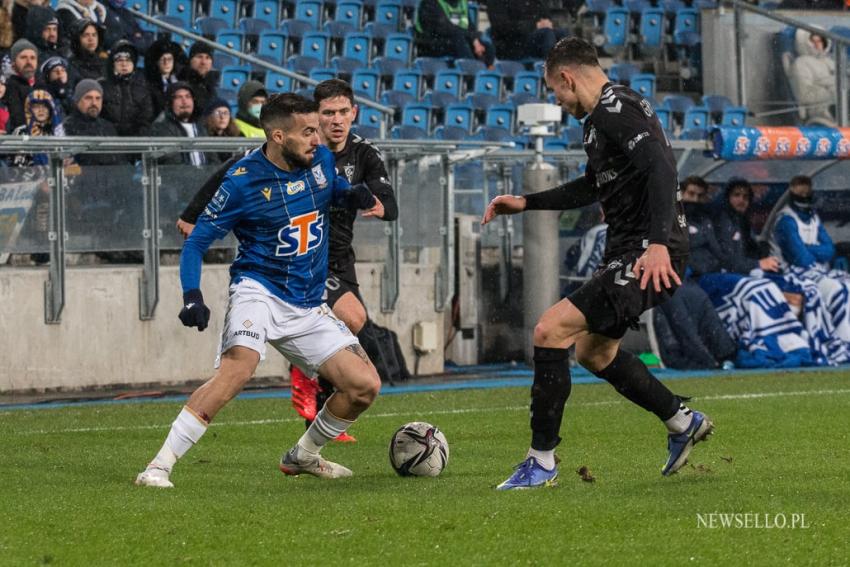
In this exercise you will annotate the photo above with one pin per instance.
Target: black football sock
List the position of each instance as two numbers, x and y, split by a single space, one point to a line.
630 376
549 393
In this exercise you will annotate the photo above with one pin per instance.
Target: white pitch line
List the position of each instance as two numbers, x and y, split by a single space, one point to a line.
720 397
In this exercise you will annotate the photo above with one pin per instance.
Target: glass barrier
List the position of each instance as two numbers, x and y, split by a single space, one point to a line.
24 210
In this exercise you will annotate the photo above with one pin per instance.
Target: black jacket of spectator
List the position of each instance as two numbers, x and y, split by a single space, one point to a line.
438 36
511 24
70 11
126 99
38 17
17 90
19 18
84 64
705 255
738 247
79 124
120 24
167 125
156 83
204 88
62 92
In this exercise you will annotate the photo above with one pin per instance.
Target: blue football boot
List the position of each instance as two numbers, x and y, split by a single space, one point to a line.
530 474
679 445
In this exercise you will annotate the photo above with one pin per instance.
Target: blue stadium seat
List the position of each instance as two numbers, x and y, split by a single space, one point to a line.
447 88
230 95
491 134
226 10
273 44
322 74
278 82
260 70
350 12
510 68
234 39
527 82
379 32
671 7
622 72
644 85
345 67
686 21
306 92
316 45
636 7
469 67
180 9
302 64
253 27
500 116
365 82
716 104
406 132
296 28
734 116
692 134
222 60
651 30
678 104
398 46
209 27
523 98
368 132
417 115
696 117
268 10
554 144
459 116
338 30
450 133
616 29
388 12
665 116
388 67
397 99
234 76
408 81
357 46
598 7
368 116
309 11
142 6
487 90
430 66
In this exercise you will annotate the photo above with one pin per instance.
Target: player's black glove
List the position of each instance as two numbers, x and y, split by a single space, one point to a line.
194 312
361 197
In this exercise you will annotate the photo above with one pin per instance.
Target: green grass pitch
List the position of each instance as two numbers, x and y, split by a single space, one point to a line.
780 449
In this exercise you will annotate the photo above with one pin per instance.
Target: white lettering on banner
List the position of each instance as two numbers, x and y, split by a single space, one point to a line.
16 200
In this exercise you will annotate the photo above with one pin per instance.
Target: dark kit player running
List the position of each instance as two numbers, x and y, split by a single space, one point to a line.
360 162
632 173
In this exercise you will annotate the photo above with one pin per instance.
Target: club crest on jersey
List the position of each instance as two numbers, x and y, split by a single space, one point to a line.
293 187
301 235
319 176
267 193
239 171
646 107
349 171
219 200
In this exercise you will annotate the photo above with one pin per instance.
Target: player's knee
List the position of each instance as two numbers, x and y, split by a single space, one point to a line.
544 334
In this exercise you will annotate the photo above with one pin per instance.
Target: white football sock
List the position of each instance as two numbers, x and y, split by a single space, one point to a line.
325 427
186 430
545 458
680 422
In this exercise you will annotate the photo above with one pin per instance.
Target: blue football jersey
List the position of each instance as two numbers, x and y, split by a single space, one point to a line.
281 221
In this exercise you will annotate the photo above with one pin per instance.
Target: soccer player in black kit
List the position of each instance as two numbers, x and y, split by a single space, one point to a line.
632 173
360 162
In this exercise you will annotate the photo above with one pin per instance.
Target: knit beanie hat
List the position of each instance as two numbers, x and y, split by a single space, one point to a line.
84 87
21 45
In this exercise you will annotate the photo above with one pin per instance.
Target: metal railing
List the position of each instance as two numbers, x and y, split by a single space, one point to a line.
840 45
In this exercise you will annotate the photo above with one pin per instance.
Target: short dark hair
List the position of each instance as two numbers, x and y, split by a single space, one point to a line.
571 51
333 88
736 182
801 180
694 180
280 108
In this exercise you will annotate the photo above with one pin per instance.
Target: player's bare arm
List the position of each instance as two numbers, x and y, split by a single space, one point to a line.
377 211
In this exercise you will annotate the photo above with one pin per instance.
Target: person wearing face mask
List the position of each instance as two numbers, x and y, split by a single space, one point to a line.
54 77
251 98
126 99
163 61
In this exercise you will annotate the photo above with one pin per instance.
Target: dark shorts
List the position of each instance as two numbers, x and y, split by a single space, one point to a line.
339 283
612 300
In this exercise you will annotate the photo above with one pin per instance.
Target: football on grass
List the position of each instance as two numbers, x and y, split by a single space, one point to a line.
419 449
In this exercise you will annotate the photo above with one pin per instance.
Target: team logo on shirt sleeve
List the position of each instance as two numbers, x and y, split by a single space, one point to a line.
319 176
301 235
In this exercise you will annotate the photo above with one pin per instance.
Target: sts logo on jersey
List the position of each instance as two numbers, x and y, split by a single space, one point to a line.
302 234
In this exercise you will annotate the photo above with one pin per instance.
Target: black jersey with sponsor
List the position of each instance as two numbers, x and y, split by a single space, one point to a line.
616 133
360 162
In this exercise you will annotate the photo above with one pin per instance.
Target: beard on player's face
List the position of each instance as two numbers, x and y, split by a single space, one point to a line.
294 158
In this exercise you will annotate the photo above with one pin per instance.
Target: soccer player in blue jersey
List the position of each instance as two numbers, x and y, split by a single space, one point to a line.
276 200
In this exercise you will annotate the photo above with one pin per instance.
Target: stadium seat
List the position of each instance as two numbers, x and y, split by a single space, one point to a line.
316 45
523 98
487 90
309 11
678 104
222 60
644 85
306 92
616 30
296 28
142 6
665 117
368 132
268 10
398 46
356 48
278 82
371 117
181 10
430 66
338 30
447 88
273 44
716 103
692 134
209 27
253 27
417 115
302 64
322 74
379 32
450 133
696 118
226 10
671 7
527 82
365 82
622 72
388 12
686 21
651 31
234 76
554 144
704 4
636 7
469 67
234 39
408 81
230 95
407 132
350 13
734 116
491 134
510 68
459 116
396 99
388 67
500 116
261 70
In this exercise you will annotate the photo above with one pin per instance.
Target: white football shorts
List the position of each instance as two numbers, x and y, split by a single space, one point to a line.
306 336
